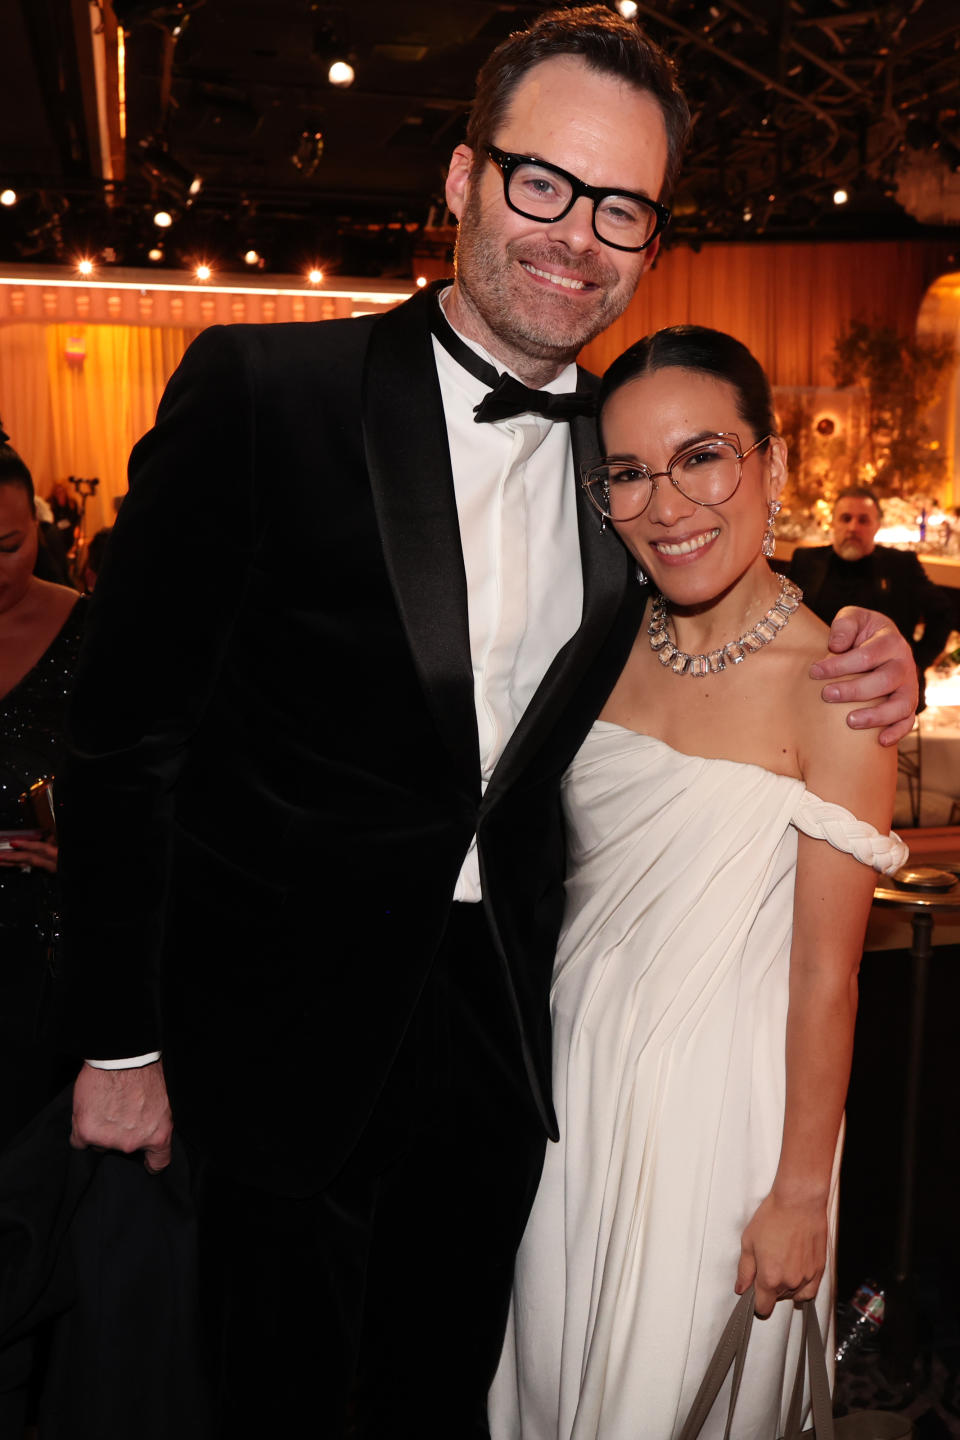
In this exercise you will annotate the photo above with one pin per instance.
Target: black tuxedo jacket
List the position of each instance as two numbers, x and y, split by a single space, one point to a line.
273 775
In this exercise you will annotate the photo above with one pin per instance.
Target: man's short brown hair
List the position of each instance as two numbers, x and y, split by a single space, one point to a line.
604 41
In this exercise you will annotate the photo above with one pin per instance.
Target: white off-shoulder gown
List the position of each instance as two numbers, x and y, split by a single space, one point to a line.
669 1011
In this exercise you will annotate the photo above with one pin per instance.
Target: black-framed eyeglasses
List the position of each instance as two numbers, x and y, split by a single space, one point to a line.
708 473
539 191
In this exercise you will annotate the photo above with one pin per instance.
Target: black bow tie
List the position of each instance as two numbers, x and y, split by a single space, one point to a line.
508 396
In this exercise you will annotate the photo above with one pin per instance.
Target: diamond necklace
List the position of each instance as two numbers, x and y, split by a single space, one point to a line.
712 663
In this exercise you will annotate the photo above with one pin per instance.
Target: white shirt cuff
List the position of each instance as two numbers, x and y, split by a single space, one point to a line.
136 1062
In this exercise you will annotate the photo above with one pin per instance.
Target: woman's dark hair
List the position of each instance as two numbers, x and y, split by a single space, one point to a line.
708 352
604 41
14 472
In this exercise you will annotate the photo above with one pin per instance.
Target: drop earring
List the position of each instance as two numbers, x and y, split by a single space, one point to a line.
642 576
769 542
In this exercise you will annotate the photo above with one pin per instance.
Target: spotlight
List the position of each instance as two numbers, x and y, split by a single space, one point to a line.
85 267
203 272
315 277
163 219
252 257
421 281
155 253
840 197
341 74
8 197
747 213
628 9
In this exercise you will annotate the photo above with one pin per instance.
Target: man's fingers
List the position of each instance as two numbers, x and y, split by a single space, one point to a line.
156 1158
893 734
857 684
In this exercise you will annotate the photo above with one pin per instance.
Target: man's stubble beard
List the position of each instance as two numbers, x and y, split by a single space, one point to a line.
852 550
485 272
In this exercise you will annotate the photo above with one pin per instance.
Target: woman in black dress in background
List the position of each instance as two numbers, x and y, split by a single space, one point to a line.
40 629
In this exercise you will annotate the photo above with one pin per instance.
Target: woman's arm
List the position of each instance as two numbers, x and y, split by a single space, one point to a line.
784 1245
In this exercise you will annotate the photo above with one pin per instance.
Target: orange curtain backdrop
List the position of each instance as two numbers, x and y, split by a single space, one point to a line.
26 405
72 418
786 302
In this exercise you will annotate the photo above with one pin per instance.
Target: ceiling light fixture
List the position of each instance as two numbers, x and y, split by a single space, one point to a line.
252 257
628 9
85 267
163 219
155 253
203 272
8 198
315 277
840 197
341 74
309 151
421 281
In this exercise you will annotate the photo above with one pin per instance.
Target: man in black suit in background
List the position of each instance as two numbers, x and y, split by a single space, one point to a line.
333 751
854 570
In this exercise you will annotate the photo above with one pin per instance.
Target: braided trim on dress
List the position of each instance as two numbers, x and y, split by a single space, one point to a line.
841 829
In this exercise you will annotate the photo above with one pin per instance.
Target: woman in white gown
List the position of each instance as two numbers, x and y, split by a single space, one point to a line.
724 829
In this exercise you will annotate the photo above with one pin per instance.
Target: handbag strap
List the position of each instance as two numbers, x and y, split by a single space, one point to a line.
732 1350
812 1358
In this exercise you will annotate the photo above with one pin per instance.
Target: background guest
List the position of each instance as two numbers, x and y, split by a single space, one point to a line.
40 629
855 570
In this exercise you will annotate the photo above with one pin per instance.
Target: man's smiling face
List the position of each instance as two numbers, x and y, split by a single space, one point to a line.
535 293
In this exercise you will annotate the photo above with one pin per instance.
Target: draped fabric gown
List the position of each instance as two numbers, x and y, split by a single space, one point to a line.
669 1009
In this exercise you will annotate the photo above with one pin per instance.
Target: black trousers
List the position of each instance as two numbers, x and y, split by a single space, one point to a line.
377 1307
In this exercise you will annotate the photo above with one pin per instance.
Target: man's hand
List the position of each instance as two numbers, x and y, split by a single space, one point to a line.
869 646
30 854
124 1110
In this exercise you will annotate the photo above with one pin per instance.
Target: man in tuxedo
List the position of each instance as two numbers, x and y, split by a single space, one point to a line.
333 751
854 570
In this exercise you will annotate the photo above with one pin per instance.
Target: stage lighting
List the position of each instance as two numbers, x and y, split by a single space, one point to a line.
8 198
341 74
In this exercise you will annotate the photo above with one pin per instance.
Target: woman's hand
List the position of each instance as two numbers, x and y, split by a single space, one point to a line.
783 1251
30 854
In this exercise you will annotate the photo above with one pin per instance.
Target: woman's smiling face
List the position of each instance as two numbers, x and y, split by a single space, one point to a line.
693 553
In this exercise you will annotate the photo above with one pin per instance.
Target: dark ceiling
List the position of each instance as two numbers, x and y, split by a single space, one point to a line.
791 98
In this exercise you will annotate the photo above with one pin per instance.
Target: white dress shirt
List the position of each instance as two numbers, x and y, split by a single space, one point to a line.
517 504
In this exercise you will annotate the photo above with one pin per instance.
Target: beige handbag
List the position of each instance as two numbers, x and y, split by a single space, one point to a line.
732 1350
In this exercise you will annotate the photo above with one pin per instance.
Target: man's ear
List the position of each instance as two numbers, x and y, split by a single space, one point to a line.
458 179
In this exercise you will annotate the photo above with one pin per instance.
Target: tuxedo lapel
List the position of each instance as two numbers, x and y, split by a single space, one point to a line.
606 577
411 479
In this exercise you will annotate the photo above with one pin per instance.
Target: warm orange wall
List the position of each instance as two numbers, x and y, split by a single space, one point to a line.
785 301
